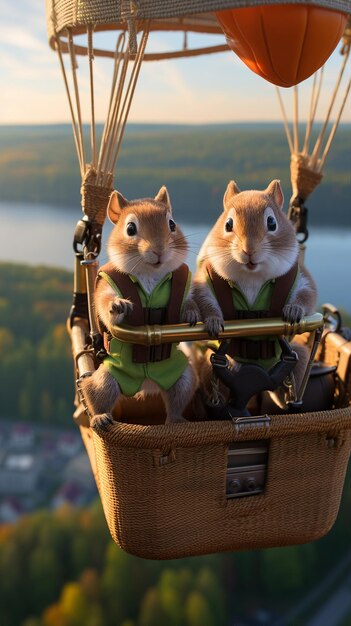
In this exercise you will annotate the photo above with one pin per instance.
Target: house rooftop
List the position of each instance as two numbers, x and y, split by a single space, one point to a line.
19 462
21 428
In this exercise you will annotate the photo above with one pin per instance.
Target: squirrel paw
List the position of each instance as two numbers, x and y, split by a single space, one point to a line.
191 314
292 313
119 308
101 422
214 324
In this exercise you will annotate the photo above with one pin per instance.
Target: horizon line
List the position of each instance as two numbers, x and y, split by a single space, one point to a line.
138 123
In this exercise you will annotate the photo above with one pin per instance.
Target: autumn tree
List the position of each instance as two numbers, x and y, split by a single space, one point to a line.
197 611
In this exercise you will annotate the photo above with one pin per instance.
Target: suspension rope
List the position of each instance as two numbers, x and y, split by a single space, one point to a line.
318 144
313 108
74 67
130 93
70 103
92 103
285 120
296 119
116 67
335 126
112 128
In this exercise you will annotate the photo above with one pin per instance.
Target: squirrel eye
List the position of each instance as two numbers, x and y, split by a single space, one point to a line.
229 225
131 229
271 223
172 226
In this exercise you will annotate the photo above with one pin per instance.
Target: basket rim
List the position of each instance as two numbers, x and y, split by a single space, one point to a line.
192 434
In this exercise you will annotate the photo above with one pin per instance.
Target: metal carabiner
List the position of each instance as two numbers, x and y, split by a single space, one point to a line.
298 215
81 233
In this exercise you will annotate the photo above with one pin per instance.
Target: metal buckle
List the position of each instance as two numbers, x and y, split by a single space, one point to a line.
241 423
288 354
219 360
290 358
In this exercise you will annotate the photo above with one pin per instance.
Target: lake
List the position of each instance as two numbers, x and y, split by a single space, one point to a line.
42 235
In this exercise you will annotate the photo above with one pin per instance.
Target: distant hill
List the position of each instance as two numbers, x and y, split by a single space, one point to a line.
39 164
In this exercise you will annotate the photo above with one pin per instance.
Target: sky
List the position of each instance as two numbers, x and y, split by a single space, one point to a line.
208 89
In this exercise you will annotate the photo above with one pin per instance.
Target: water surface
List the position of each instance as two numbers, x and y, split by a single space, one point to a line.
42 235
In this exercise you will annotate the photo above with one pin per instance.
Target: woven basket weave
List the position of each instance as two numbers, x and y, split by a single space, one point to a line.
163 486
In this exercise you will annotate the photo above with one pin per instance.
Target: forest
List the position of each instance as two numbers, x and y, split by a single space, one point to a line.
36 373
39 164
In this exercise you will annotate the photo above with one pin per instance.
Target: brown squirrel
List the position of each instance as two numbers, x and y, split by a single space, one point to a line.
145 282
248 267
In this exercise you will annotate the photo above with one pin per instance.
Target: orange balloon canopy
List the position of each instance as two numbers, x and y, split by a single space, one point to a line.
284 44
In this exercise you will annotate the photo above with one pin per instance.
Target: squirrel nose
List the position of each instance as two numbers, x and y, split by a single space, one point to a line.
157 254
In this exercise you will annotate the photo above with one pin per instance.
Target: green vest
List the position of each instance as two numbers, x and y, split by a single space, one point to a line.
130 376
262 303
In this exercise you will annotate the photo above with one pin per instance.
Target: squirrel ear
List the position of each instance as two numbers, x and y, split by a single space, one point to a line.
163 196
232 190
116 204
274 189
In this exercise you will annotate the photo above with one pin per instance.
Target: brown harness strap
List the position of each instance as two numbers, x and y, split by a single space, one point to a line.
179 281
282 288
129 291
223 293
252 349
249 348
144 315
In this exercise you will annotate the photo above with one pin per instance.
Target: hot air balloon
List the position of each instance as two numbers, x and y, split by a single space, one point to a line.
285 44
169 490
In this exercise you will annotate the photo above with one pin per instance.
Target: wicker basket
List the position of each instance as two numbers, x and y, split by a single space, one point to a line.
163 487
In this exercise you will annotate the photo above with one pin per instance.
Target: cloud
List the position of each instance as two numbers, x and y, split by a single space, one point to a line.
164 76
29 12
19 37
